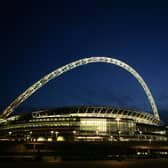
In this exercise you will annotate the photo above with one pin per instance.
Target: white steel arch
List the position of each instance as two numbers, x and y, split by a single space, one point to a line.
28 92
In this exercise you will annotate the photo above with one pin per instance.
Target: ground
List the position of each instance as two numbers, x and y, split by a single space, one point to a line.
142 163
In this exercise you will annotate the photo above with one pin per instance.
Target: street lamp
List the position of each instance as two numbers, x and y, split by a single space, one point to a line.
30 135
150 141
52 132
74 134
56 133
111 138
140 132
10 133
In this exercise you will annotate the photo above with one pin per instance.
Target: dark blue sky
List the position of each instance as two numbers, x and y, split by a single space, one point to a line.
37 37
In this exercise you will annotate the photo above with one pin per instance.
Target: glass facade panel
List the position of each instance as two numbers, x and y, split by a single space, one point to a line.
93 124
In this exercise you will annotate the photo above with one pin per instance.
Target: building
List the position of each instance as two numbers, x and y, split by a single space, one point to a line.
83 124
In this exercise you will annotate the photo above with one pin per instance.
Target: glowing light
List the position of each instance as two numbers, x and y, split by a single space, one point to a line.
97 125
60 138
90 138
56 133
138 153
41 139
49 139
118 119
10 132
52 132
74 132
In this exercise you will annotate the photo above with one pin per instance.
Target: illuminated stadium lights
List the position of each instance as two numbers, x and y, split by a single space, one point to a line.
10 133
74 132
56 133
60 139
68 125
52 132
49 139
90 137
118 119
140 117
41 139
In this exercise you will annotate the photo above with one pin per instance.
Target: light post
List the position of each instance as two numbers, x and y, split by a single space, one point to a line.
111 138
150 141
52 132
140 132
10 133
56 134
74 134
51 135
30 135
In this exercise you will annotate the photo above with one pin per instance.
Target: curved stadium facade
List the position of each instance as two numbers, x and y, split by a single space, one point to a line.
83 124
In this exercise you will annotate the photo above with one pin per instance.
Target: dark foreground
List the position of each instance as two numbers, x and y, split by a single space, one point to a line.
142 163
84 155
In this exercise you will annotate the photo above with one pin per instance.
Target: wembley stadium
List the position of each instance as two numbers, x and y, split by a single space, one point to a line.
83 124
86 124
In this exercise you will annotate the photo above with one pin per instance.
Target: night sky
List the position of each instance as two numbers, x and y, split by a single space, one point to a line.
37 37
